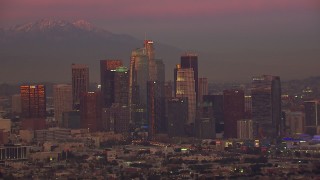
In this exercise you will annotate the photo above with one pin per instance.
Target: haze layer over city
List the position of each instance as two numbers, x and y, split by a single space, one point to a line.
183 89
234 40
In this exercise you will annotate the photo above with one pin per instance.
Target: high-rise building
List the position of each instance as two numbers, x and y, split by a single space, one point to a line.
312 120
80 83
116 118
71 120
177 116
205 125
121 86
216 102
185 88
108 83
62 101
266 106
202 89
139 75
248 106
190 60
245 129
33 101
149 51
16 103
155 108
233 110
33 106
91 111
295 122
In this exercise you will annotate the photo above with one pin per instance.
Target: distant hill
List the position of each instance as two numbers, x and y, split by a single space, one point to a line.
44 50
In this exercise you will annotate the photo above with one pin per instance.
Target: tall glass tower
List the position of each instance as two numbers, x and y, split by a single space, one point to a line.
266 106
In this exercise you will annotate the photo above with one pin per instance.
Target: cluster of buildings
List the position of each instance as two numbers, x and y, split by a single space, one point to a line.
139 99
136 105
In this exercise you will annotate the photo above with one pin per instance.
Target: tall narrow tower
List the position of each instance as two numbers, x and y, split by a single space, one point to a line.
107 74
185 88
80 83
62 101
190 60
266 106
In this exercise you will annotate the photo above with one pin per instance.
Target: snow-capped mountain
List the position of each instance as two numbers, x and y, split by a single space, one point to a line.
48 47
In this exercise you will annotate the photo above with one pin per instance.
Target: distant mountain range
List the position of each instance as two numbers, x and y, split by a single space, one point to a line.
44 50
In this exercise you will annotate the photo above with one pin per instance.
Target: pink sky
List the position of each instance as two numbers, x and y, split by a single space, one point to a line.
18 10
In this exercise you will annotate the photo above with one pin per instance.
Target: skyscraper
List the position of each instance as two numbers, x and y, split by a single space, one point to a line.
155 108
33 101
80 83
216 102
16 103
139 75
33 106
202 89
149 51
121 86
266 106
107 75
233 110
91 111
62 101
190 60
177 116
312 120
185 88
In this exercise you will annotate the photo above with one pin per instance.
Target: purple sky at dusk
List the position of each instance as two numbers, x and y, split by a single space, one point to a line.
174 22
248 29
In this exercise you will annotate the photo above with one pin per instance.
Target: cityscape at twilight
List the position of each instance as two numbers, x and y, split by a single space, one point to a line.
215 90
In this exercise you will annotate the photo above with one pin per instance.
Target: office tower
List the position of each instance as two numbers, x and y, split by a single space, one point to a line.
155 108
233 110
245 129
116 118
90 111
139 75
121 86
202 89
80 83
248 107
266 106
295 121
71 120
190 60
185 88
312 120
160 71
205 125
33 107
216 102
168 89
33 101
177 116
107 75
62 100
149 51
16 103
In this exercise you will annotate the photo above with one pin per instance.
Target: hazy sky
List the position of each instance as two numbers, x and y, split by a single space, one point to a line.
202 25
240 30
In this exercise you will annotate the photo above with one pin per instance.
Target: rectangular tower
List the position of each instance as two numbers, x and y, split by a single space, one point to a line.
233 110
62 101
266 106
80 83
91 111
107 75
